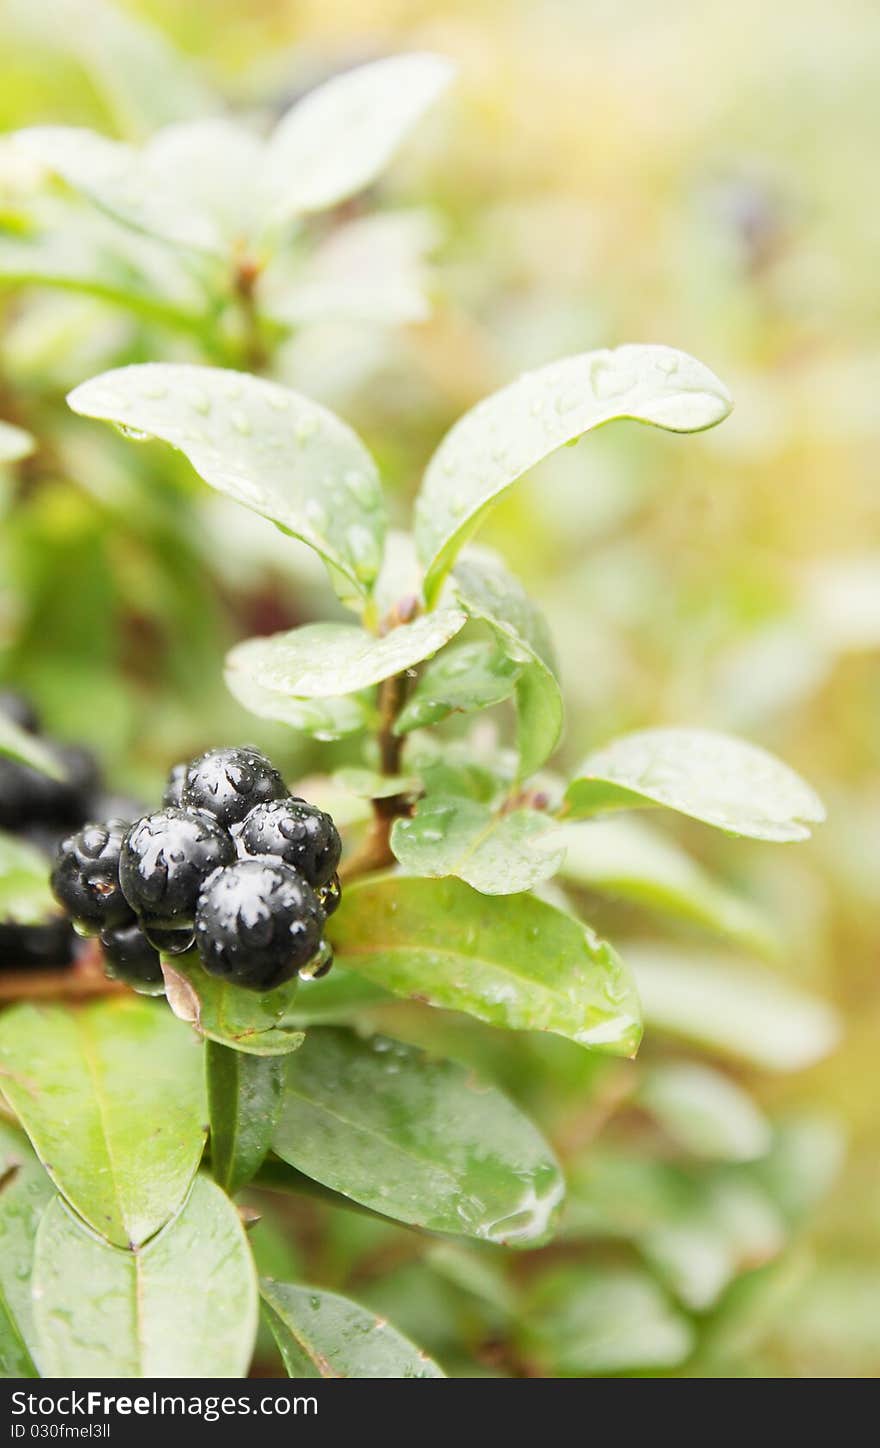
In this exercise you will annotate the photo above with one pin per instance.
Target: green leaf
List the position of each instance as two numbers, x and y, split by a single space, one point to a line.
244 1098
488 592
264 446
367 784
514 962
325 659
705 1112
121 181
215 164
370 270
496 853
509 432
731 1007
324 719
112 1099
416 1139
712 777
334 999
463 679
338 139
183 1306
25 896
15 743
626 858
598 1321
322 1335
242 1019
15 443
25 1191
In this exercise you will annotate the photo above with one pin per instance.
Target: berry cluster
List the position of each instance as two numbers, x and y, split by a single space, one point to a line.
42 810
232 863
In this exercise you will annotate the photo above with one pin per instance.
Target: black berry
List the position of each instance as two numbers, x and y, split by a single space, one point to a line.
20 710
228 783
165 859
170 942
130 957
257 922
85 879
330 896
300 834
174 786
32 947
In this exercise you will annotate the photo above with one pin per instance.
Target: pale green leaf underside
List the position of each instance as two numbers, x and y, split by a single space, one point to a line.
417 1139
326 659
712 777
732 1008
514 962
498 854
89 1087
367 784
324 719
465 678
25 1193
339 138
15 743
183 1306
264 446
486 591
509 432
707 1113
625 857
242 1019
15 443
122 181
322 1335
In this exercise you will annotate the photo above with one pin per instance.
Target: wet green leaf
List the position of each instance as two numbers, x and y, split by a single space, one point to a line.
334 999
183 1306
731 1007
244 1098
15 443
514 962
25 897
25 1191
508 433
339 138
261 444
242 1019
627 858
712 777
324 719
325 659
705 1112
15 743
464 678
323 1335
417 1139
112 1098
496 853
598 1321
488 592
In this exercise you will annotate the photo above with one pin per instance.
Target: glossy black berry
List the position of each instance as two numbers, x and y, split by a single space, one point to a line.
85 879
51 944
258 921
170 942
300 834
29 797
165 859
228 783
330 896
130 957
174 786
20 710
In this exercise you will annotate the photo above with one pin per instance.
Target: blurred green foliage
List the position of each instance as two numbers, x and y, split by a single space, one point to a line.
685 174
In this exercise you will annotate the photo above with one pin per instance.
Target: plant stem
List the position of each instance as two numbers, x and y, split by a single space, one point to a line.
375 851
256 354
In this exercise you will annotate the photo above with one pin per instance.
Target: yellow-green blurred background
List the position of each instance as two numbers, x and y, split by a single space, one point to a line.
697 174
